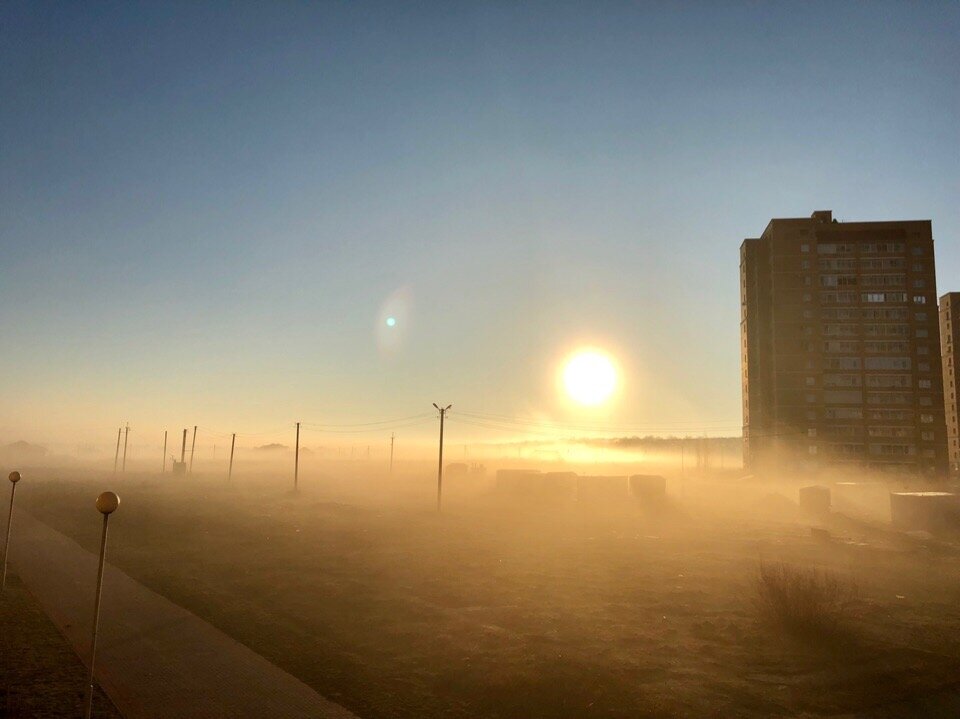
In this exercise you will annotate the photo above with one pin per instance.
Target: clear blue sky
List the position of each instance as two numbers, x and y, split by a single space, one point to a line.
205 207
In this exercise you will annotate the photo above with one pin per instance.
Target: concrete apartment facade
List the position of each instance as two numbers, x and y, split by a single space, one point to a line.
839 347
949 340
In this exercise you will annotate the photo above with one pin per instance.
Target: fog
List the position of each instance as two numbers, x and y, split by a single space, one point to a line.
638 583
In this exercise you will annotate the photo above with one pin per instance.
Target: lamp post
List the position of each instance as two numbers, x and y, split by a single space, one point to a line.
14 477
107 503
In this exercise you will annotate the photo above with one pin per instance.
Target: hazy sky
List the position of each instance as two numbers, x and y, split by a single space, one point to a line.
205 209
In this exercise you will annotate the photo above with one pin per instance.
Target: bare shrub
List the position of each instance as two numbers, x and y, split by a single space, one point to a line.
804 601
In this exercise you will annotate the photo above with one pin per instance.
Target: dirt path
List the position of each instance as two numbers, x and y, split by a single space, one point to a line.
154 658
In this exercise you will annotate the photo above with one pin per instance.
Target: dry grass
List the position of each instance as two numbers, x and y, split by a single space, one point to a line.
491 612
804 601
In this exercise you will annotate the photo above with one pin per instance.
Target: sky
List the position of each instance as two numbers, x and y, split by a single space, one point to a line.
208 210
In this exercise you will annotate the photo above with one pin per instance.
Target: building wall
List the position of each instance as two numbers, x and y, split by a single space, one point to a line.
839 347
949 340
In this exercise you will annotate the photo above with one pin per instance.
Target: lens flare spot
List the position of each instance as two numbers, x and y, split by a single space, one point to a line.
391 321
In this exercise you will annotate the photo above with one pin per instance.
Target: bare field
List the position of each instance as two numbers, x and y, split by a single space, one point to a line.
40 675
490 610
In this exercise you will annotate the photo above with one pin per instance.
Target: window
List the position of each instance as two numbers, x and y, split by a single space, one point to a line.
919 300
841 380
898 432
844 263
890 415
812 449
926 435
926 401
883 280
921 332
812 432
841 346
841 330
888 381
920 317
886 363
843 413
917 250
919 282
884 313
811 398
848 363
875 346
838 313
924 384
887 398
883 297
898 450
923 350
843 397
811 381
804 248
926 418
804 264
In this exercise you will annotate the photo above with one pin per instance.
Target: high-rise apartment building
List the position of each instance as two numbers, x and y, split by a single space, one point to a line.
840 347
949 340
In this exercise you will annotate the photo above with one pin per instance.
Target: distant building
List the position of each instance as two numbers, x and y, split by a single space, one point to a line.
839 338
949 339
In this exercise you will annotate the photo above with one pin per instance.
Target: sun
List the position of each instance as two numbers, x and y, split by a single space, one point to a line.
589 377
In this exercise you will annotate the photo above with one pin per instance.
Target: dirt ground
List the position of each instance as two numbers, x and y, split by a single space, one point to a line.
40 675
494 610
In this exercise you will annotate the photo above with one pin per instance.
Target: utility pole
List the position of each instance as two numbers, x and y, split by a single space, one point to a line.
183 446
193 445
164 468
116 456
126 432
296 461
391 452
443 414
233 441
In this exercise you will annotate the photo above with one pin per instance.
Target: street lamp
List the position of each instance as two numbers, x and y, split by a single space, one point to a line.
14 477
107 503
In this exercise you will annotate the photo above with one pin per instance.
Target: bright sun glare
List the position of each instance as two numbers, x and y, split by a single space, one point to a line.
589 377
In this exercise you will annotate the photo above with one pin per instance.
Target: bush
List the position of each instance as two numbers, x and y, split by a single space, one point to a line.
803 601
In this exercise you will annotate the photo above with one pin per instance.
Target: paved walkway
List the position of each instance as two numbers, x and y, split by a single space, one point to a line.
154 658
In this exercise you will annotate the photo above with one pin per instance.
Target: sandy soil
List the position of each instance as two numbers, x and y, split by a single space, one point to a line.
488 610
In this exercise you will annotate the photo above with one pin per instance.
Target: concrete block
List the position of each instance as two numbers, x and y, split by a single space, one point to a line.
924 510
599 488
648 486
